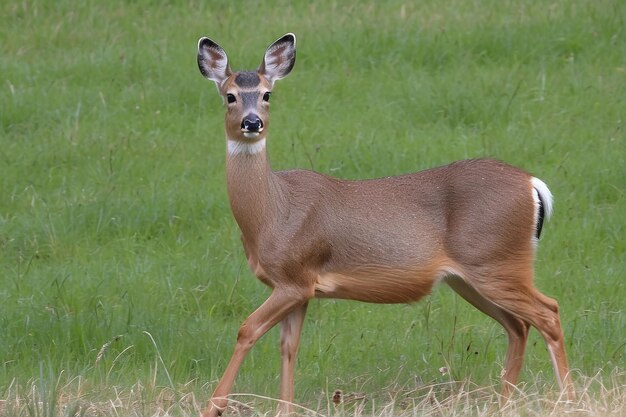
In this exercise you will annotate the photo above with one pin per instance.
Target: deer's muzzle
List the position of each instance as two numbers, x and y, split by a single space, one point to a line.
252 124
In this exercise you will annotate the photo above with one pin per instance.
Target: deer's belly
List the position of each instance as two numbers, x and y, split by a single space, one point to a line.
382 284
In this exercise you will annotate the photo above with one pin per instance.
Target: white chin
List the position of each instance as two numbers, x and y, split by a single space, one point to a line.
251 135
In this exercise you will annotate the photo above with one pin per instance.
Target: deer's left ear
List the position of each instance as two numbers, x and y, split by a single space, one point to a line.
279 58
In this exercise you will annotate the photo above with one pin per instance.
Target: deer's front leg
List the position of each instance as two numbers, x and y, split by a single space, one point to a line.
290 330
274 309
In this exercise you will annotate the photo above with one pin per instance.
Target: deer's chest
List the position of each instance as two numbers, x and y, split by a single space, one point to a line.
254 263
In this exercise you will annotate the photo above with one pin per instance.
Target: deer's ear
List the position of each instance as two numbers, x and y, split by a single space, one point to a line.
279 58
212 61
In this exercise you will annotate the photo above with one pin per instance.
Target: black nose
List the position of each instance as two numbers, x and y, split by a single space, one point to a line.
252 123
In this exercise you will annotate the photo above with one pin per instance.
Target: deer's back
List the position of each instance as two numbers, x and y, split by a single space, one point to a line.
458 210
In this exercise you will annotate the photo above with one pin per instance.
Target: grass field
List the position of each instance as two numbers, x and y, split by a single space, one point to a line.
123 277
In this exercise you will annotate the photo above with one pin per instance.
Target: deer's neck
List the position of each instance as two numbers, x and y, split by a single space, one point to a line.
254 190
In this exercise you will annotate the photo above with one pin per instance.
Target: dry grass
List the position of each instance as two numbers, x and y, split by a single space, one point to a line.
450 399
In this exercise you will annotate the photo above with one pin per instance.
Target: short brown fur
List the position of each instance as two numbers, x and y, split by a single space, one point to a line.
470 224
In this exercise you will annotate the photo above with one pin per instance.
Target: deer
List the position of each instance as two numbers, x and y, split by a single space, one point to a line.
473 225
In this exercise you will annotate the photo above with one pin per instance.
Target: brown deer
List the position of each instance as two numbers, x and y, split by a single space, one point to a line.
472 224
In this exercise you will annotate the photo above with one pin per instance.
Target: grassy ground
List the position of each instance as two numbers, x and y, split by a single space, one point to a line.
123 276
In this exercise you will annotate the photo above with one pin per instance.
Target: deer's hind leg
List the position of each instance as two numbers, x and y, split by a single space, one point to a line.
513 292
517 330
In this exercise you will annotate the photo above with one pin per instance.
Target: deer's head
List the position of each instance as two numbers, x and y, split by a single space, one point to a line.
247 94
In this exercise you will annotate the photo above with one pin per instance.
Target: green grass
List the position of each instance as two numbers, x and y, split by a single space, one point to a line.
115 229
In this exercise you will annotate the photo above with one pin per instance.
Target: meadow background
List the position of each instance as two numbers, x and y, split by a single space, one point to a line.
123 278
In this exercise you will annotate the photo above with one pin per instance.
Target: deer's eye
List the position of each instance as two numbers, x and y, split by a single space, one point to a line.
230 98
266 96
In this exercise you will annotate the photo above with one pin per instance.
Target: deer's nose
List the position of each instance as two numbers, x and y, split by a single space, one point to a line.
252 123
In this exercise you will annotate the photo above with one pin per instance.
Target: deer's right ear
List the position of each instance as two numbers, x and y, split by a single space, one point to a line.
212 61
